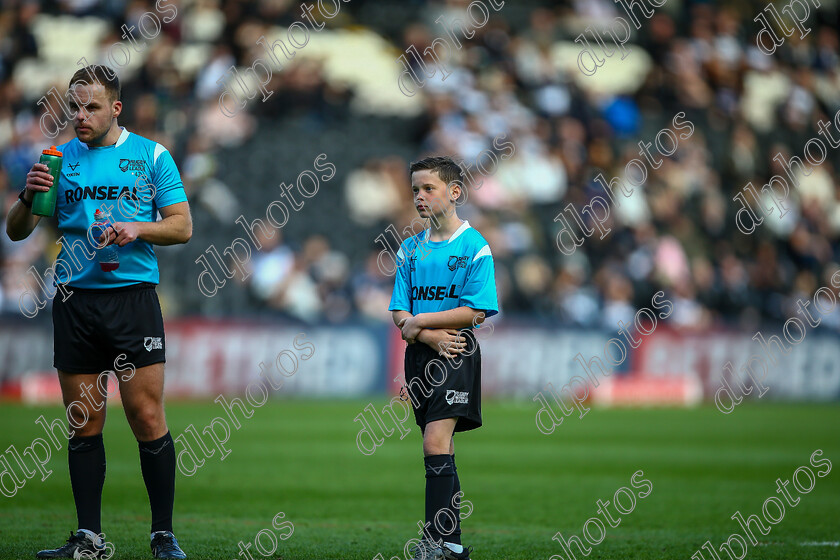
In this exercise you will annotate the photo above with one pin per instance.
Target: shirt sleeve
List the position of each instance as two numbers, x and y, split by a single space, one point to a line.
480 287
401 298
167 180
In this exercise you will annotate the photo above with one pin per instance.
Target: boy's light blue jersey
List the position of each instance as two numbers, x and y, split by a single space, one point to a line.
131 179
441 275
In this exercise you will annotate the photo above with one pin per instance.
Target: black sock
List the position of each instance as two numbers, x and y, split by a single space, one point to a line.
439 480
157 461
86 459
455 537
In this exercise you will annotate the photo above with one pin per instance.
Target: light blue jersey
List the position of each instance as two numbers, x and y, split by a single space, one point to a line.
441 275
131 179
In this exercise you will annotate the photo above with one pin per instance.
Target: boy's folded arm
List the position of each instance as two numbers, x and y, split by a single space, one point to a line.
458 318
399 315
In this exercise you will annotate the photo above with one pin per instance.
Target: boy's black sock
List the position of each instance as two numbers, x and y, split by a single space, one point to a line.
157 461
86 459
440 476
455 537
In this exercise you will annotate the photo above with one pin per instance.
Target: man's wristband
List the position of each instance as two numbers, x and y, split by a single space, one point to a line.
23 199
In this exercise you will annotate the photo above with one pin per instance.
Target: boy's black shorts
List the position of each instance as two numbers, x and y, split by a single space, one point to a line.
93 327
458 380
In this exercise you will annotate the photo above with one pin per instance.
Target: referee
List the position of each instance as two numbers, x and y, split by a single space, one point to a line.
111 315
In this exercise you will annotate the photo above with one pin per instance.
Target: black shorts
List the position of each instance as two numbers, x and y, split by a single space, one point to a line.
441 388
93 327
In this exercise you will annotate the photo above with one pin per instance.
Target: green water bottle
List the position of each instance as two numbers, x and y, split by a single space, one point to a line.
43 203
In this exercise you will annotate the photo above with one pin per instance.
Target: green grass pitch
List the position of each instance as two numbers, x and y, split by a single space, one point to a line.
300 458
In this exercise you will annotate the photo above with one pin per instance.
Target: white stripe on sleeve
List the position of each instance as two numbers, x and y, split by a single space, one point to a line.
484 252
159 149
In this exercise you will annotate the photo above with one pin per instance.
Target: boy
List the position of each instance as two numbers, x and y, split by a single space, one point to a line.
444 287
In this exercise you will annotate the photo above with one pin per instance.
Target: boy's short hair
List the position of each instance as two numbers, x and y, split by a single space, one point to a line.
446 168
99 74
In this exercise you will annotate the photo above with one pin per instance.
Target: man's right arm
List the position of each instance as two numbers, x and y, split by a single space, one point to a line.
21 221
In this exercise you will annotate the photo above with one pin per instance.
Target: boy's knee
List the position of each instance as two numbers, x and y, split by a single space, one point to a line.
434 448
436 444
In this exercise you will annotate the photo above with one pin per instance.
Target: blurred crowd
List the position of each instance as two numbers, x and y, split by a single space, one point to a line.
517 77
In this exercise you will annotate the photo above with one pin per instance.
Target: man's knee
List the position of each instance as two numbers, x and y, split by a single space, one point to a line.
145 419
84 420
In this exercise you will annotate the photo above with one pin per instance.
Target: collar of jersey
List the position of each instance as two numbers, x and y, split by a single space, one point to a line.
123 137
454 236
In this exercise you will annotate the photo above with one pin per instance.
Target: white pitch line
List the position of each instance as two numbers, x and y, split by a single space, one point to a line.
824 543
